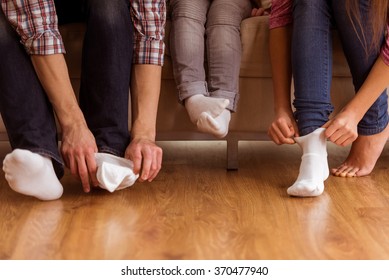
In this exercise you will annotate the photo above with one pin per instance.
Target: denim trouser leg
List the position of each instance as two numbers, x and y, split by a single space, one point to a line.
106 70
25 108
312 63
187 46
224 48
376 118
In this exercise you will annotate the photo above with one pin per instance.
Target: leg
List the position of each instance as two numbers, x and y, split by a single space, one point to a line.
224 48
224 55
373 129
187 48
105 82
311 61
29 119
314 166
106 68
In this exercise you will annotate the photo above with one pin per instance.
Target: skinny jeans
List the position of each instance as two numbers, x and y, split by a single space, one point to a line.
313 24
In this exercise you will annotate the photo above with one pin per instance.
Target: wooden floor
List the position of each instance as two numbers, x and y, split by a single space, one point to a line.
195 209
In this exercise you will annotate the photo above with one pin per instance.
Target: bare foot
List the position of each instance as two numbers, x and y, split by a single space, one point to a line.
363 156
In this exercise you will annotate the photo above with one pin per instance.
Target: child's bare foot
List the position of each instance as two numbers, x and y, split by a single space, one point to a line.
363 156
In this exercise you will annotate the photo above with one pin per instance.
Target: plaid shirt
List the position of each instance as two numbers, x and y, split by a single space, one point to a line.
281 15
36 23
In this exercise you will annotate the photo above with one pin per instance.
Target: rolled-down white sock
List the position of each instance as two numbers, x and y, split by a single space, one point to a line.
216 126
32 174
197 104
114 173
314 166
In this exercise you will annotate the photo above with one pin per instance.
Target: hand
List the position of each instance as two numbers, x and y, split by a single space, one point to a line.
146 156
342 129
259 12
283 128
78 149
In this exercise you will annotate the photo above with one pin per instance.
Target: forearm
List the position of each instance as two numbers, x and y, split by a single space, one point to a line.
53 74
376 82
280 57
145 90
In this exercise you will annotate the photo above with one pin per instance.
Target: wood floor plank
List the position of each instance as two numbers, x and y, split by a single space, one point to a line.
195 209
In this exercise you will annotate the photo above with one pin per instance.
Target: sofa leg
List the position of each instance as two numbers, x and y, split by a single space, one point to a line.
232 154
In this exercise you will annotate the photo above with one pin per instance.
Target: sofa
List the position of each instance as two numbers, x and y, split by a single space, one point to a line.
255 108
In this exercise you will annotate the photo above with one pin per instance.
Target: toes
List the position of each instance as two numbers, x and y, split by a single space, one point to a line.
339 170
352 172
345 171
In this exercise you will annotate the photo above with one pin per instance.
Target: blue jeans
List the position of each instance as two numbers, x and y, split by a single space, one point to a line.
211 27
313 21
105 80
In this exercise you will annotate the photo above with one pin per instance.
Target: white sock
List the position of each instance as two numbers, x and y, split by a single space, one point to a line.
32 174
216 126
197 104
314 166
114 173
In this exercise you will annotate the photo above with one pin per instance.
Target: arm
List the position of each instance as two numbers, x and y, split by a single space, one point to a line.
149 18
283 128
145 89
78 144
342 129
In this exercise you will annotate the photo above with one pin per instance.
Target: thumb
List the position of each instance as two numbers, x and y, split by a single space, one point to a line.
294 129
326 125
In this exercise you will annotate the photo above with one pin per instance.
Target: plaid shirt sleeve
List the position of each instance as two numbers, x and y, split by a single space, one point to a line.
149 18
36 23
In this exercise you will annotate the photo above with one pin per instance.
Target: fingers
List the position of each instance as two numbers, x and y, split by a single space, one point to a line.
282 133
146 165
151 164
340 134
257 12
92 168
83 174
157 164
341 139
136 156
147 160
82 166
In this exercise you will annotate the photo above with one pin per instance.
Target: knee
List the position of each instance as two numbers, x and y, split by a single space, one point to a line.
190 10
228 13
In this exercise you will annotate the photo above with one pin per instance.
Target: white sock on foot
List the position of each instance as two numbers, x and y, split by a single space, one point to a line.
114 173
197 104
216 126
314 166
32 174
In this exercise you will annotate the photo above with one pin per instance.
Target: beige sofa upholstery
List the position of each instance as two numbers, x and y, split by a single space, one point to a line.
255 108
